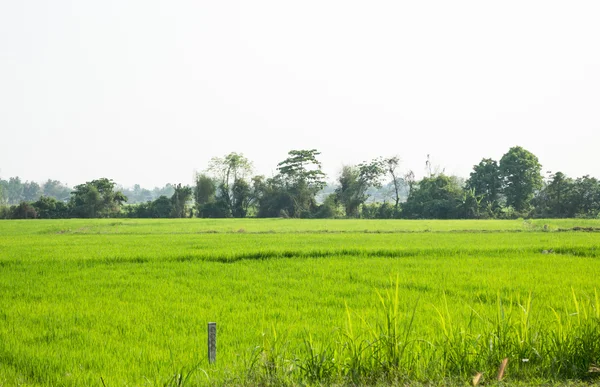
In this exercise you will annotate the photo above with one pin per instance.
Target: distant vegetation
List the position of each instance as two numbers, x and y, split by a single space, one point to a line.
510 188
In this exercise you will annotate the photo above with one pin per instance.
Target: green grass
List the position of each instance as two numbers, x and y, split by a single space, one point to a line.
191 226
126 302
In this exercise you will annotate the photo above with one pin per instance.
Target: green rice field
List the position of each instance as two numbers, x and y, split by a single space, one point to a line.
126 302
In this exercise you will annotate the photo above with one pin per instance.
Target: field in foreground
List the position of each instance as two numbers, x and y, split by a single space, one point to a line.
126 302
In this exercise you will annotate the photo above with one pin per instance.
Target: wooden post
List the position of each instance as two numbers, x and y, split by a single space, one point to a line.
212 342
502 369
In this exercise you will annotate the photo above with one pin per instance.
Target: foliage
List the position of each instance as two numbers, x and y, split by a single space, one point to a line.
204 192
303 166
161 207
330 208
354 182
57 190
554 199
23 211
301 176
563 197
229 170
243 197
216 209
520 171
379 211
436 197
586 195
96 199
5 212
31 191
139 194
47 207
179 201
471 206
12 190
376 189
391 166
486 183
348 190
273 199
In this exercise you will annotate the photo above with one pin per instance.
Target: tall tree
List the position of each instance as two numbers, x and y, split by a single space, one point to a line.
273 197
303 165
31 191
56 189
204 191
97 199
436 197
243 198
14 190
409 178
167 191
486 183
228 170
161 207
520 171
558 192
391 165
354 181
138 194
181 196
303 178
586 196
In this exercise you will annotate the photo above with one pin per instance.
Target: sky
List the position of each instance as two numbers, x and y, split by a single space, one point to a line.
149 91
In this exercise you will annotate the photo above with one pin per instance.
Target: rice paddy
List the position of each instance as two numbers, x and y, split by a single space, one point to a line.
126 302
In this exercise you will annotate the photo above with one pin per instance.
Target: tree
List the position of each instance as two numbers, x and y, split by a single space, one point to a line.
56 189
161 207
31 191
243 197
138 194
586 196
204 192
97 199
167 191
47 207
273 198
486 183
391 165
409 178
520 172
435 197
302 177
14 190
330 208
558 192
181 196
432 170
228 170
349 191
23 211
303 166
471 205
355 181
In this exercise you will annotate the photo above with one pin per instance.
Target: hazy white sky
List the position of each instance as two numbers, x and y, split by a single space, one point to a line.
147 91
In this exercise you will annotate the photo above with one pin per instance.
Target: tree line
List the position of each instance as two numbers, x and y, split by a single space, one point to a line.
509 188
